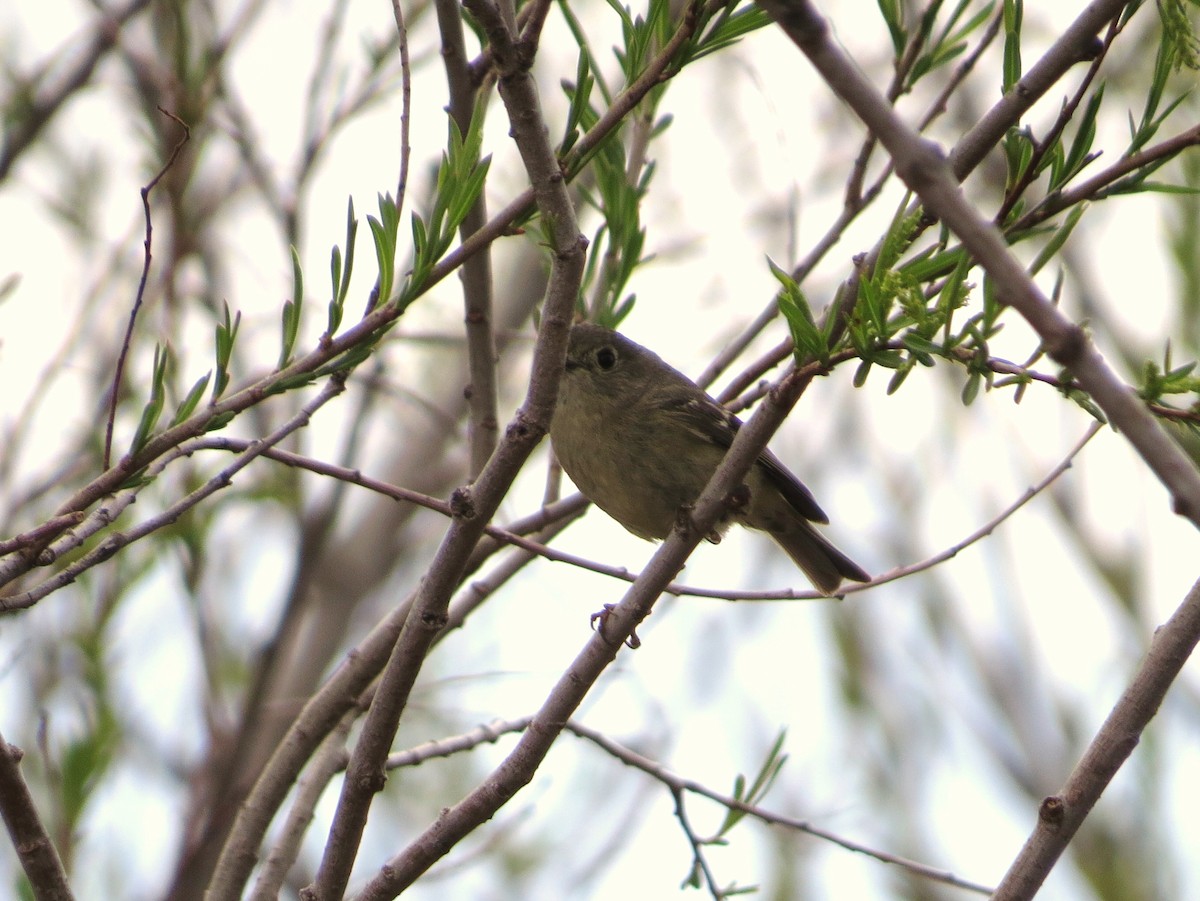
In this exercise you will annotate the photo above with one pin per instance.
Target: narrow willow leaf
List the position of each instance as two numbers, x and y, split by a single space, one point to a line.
226 334
807 339
1058 239
291 312
383 233
893 18
188 407
336 301
921 346
898 379
861 373
154 406
1014 11
971 388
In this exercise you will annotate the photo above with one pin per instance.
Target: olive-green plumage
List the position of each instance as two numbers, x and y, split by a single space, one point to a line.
641 440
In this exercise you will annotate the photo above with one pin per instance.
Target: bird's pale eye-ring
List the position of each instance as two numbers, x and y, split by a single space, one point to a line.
606 357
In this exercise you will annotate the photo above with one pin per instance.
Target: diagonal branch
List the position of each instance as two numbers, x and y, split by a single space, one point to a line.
619 623
1060 815
924 169
32 843
474 506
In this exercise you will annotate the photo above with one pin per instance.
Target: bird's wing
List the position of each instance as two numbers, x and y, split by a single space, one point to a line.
707 419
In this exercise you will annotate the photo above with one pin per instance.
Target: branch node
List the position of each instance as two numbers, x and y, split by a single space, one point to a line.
462 505
1052 811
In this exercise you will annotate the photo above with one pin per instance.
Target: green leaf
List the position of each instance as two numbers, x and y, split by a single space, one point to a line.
808 341
336 306
1014 12
188 407
768 771
1163 188
888 359
339 273
226 334
383 233
933 263
893 18
921 346
291 312
971 388
580 114
898 378
951 42
1018 153
154 407
728 29
1087 404
1182 47
861 373
84 762
1080 153
219 421
1058 239
349 360
579 35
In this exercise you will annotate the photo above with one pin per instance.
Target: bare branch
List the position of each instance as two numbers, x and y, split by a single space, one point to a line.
329 760
115 391
32 843
474 506
1060 816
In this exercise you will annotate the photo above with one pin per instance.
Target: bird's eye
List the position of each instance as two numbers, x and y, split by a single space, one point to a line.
606 357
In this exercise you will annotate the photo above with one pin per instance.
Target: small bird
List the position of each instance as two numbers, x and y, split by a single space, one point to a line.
641 440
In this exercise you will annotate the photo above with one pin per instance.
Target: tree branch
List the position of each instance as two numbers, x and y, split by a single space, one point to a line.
1060 816
474 506
32 843
921 166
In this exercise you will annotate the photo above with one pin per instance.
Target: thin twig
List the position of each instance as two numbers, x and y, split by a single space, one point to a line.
483 390
539 548
699 861
405 104
929 563
118 540
35 535
115 397
490 733
1095 187
678 785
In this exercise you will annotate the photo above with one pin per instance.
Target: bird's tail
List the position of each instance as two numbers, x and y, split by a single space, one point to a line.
825 566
